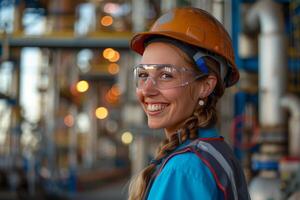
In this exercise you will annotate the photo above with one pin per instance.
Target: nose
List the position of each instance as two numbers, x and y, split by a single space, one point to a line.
149 88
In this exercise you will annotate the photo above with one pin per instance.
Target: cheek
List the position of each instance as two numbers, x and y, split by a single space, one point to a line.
139 94
180 97
187 99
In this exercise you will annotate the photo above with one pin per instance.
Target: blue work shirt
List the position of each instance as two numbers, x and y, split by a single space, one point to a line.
186 177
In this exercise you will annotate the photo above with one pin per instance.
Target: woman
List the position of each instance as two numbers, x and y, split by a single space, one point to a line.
187 62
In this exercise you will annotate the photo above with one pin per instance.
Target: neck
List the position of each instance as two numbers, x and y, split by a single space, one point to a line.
178 134
170 132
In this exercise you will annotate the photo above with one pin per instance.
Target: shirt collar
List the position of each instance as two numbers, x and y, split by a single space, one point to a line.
202 133
208 133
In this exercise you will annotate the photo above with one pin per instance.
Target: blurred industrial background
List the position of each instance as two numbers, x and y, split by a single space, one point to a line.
71 127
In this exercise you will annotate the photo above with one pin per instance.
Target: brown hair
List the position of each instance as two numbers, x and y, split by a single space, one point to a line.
203 117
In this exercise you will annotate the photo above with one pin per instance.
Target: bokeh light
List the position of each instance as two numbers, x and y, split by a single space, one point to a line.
115 90
82 86
113 68
110 98
108 53
107 20
127 137
69 120
113 95
101 113
115 58
111 8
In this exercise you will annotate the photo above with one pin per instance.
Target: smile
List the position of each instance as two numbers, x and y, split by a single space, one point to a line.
155 107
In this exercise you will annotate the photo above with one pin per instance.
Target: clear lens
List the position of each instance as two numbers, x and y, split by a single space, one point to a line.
163 76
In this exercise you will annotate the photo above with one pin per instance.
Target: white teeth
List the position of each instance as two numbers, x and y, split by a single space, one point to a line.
155 107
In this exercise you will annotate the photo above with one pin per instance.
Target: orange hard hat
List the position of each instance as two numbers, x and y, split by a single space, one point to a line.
195 27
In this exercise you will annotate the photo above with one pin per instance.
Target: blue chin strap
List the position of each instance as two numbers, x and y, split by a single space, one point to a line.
198 58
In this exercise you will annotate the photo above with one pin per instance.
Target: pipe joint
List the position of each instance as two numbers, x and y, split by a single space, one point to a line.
266 15
292 103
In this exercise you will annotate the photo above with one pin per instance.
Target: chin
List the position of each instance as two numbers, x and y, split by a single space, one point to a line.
154 125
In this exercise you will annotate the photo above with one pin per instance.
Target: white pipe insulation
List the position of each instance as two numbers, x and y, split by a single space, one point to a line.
267 16
292 104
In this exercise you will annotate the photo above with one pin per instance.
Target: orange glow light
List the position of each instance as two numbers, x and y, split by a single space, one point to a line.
116 57
108 53
110 98
113 68
69 120
115 90
107 20
82 86
101 113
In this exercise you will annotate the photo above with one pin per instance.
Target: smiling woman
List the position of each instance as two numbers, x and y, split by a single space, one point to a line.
168 108
187 62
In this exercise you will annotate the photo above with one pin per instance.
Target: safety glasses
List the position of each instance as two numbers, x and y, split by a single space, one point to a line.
164 76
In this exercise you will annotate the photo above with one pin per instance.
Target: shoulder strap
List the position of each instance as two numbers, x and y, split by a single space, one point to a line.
218 165
220 159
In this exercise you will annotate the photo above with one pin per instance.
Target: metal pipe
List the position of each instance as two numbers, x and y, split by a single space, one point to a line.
167 5
62 41
272 60
139 8
218 10
266 15
203 4
292 104
272 79
140 146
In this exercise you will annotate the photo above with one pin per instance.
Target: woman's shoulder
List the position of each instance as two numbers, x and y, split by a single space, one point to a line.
187 177
188 174
186 163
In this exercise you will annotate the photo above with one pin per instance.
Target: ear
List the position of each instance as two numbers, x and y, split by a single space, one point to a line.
207 86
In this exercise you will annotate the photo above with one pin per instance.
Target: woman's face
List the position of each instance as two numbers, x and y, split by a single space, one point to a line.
167 108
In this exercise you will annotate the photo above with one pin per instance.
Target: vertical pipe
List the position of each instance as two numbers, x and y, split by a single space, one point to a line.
203 4
62 14
138 154
139 8
18 16
73 148
272 78
90 151
268 15
16 120
218 10
167 5
50 117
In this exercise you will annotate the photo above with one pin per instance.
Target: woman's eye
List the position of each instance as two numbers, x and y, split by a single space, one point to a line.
166 76
142 75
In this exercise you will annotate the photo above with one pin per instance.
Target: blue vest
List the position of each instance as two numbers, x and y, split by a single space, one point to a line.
217 155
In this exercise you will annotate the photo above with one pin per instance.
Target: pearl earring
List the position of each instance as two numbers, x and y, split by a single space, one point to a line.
201 102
